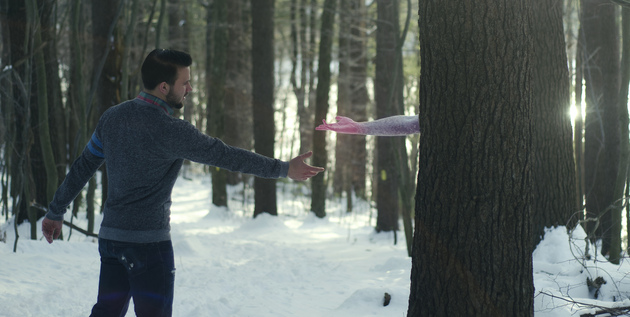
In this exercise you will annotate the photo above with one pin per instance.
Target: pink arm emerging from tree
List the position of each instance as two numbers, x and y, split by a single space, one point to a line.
389 126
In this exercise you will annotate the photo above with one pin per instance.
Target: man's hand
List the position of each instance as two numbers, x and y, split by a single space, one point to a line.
51 229
343 125
300 171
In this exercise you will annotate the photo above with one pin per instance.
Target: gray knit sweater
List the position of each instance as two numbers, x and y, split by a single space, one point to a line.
144 148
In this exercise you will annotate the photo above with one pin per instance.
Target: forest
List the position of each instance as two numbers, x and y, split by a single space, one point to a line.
522 108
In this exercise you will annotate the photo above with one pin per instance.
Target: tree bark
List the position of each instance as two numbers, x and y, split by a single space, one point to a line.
358 93
106 60
343 151
57 111
216 96
43 126
237 101
263 99
301 55
624 144
22 183
553 169
472 253
601 136
388 95
320 154
578 129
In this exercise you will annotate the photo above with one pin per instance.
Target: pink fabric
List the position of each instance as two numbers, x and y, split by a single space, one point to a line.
389 126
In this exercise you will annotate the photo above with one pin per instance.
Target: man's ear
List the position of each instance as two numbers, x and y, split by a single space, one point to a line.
164 87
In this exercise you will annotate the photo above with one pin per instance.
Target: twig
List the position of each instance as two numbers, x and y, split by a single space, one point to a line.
613 311
85 232
67 223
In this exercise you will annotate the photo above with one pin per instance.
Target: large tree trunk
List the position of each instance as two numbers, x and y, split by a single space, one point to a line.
320 155
601 136
553 169
472 253
263 99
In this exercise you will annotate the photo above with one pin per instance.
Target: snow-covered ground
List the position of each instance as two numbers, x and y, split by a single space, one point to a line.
229 264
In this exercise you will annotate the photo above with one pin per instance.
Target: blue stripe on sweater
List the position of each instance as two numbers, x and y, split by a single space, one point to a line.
95 146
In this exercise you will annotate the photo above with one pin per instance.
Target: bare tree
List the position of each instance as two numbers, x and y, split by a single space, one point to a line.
216 95
237 101
320 154
263 98
388 95
302 55
601 134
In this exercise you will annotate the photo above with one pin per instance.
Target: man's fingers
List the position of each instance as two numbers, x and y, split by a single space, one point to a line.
306 155
51 229
48 235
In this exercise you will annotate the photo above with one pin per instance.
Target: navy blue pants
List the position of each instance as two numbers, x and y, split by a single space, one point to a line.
144 272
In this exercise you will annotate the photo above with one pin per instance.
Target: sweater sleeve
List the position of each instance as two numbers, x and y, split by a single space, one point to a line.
80 173
198 147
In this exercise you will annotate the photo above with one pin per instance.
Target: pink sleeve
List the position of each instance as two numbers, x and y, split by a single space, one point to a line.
389 126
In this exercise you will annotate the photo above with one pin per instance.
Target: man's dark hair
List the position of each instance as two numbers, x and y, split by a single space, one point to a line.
161 66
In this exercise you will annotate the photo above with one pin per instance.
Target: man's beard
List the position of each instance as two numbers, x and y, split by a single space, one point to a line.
172 101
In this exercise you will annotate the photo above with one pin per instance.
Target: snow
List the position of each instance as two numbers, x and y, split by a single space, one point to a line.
295 264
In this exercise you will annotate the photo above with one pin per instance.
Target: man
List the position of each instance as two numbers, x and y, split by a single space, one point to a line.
144 147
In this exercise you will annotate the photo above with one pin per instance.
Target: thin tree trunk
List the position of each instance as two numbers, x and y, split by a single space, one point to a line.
42 109
263 99
106 76
601 145
320 154
237 103
6 109
160 23
126 50
391 153
359 94
22 189
76 95
217 93
301 56
57 111
578 129
624 145
343 154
